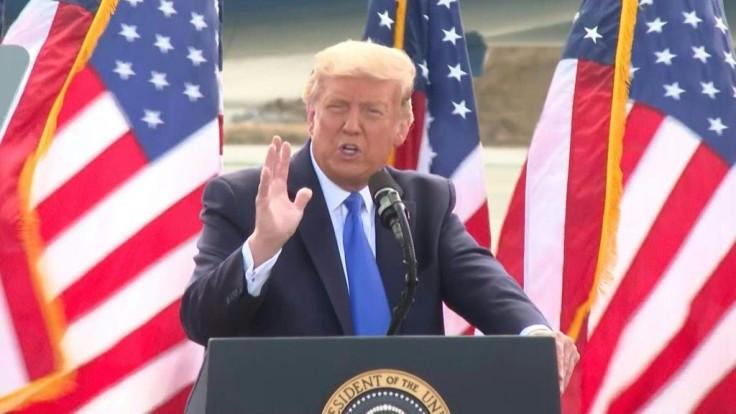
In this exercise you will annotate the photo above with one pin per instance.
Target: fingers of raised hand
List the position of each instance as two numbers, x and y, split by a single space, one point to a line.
277 158
265 184
284 156
272 154
302 198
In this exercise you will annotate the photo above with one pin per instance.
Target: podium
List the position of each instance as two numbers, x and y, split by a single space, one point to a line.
485 374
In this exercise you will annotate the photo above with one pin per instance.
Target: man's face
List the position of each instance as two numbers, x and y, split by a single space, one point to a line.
354 124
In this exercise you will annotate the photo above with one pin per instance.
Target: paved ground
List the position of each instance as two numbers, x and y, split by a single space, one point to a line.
502 167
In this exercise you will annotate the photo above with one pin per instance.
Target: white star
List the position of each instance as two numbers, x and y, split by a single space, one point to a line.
451 35
456 72
716 125
385 20
592 34
134 2
576 17
195 55
152 118
425 70
709 89
656 25
646 2
701 54
728 57
460 109
198 21
163 43
673 91
158 80
192 91
665 57
721 25
129 32
167 8
124 69
426 17
632 70
445 3
692 19
734 91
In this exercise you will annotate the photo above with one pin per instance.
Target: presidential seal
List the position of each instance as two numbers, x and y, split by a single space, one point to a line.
385 391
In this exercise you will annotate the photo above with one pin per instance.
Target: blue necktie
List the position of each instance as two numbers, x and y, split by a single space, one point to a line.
368 303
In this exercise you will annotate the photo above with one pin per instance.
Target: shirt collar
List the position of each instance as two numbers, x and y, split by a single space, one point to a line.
334 195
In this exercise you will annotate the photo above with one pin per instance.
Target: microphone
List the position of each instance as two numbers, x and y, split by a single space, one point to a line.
393 215
389 206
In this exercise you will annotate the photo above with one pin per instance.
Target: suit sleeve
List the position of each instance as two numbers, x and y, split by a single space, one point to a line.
216 302
475 284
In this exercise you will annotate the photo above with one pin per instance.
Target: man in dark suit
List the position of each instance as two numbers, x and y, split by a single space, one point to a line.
270 266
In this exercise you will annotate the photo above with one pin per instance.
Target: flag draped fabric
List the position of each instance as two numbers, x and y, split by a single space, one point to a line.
99 212
444 138
660 334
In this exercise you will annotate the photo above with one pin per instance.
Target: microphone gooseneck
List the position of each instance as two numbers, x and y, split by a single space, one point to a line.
392 214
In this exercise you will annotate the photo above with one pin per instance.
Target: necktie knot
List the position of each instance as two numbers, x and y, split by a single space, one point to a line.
354 202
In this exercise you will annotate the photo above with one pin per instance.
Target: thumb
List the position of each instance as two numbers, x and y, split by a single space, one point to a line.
302 198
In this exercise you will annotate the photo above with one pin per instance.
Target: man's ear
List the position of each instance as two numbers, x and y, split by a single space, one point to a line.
310 118
402 132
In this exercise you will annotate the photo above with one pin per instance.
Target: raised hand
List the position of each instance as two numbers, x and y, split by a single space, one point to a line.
277 217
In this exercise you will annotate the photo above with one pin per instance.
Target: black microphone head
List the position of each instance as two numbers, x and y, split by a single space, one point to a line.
385 195
381 181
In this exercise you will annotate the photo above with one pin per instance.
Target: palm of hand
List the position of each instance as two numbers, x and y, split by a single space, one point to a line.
276 213
277 217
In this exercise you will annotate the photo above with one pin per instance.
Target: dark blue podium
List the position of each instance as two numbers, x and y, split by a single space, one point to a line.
490 374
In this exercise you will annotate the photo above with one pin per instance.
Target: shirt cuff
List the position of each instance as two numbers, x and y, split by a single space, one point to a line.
533 328
256 278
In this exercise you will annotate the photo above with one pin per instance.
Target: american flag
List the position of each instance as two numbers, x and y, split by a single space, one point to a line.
98 243
444 139
661 334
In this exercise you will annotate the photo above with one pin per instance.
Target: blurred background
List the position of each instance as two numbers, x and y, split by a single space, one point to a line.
269 44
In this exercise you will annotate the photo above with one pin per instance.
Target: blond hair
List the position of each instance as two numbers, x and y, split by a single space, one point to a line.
363 59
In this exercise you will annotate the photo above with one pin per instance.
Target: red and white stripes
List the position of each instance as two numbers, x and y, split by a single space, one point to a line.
118 237
139 225
545 199
471 203
660 336
672 284
42 29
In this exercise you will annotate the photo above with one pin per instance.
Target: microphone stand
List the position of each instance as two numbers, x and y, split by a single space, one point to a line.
410 264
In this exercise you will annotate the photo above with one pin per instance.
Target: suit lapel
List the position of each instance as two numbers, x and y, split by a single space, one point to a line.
318 236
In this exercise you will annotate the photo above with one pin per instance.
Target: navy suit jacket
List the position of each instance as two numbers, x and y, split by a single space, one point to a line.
306 293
